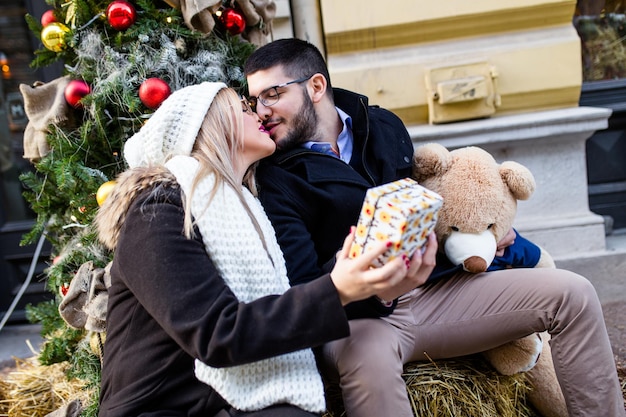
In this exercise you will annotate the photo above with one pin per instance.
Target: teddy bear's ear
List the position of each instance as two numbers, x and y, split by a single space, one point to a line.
518 178
431 159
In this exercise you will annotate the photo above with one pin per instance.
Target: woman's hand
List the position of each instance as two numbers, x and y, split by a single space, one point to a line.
421 266
355 279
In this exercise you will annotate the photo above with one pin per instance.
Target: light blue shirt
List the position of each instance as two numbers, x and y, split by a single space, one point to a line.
344 140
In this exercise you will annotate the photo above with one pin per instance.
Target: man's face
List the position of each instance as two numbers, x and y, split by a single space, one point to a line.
291 120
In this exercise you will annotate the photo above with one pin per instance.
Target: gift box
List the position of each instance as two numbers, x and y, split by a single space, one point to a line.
401 212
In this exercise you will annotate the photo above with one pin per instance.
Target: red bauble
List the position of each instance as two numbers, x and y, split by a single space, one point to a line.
233 21
63 289
75 91
48 17
153 92
121 14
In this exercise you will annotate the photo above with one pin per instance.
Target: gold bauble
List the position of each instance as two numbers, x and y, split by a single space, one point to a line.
104 191
53 36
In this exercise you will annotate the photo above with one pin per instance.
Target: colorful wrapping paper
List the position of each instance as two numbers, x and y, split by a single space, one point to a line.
401 212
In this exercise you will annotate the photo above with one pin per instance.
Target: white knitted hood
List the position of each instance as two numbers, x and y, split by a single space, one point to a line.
173 128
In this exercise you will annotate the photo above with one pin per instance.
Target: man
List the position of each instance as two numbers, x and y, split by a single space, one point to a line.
332 146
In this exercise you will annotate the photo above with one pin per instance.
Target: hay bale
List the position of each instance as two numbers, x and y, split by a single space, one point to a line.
466 387
447 388
34 390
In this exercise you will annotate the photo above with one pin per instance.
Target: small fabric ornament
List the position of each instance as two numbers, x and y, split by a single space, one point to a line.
259 16
85 304
71 409
198 15
44 105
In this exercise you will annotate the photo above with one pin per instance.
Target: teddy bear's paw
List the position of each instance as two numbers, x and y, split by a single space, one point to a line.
517 356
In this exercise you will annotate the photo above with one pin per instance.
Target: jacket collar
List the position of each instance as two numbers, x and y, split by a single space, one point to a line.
130 184
355 105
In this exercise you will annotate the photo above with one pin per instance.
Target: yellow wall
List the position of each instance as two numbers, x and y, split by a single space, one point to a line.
386 50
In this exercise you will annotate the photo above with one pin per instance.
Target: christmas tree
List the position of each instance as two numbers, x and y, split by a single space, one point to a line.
121 60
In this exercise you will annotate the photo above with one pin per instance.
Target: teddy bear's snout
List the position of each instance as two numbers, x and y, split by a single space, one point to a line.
475 251
475 264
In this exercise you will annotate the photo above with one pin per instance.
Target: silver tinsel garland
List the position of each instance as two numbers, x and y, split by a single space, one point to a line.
155 55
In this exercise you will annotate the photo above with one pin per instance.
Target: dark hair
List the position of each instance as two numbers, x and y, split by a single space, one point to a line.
298 58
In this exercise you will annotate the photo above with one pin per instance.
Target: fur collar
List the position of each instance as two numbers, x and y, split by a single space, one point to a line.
130 184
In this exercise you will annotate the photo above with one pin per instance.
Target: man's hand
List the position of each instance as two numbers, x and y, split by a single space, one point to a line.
505 242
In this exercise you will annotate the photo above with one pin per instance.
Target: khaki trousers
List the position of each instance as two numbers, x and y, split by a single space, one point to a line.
470 313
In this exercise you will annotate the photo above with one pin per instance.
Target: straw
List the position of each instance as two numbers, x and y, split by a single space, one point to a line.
465 386
34 390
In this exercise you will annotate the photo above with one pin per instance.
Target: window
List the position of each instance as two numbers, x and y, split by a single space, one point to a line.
16 55
601 25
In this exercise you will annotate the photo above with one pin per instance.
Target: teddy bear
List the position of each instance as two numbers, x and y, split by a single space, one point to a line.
479 206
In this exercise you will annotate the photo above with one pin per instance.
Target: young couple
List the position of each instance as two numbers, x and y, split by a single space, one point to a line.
220 314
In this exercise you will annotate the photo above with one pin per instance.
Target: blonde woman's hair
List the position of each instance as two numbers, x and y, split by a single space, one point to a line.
218 145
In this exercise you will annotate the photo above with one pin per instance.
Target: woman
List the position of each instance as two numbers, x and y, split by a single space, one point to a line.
197 274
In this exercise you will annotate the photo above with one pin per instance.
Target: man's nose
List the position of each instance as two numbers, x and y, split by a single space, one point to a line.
263 111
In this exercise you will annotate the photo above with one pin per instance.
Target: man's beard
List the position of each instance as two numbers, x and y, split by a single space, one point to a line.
303 126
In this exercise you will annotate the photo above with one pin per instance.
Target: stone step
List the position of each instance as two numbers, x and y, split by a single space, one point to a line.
606 269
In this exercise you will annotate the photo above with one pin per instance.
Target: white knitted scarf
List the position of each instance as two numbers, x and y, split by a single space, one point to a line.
238 254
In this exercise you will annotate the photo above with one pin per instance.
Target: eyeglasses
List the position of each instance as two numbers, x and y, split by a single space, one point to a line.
246 107
270 95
